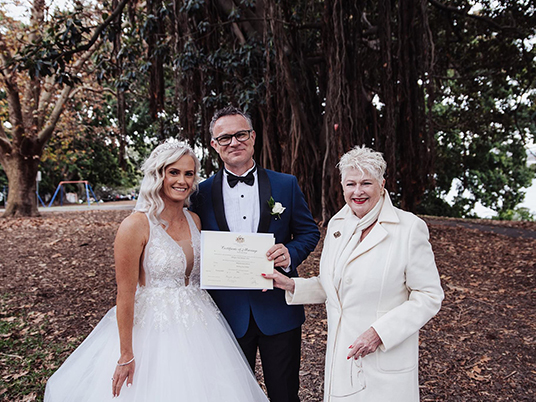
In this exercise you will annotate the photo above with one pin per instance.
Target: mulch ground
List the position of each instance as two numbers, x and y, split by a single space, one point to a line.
481 346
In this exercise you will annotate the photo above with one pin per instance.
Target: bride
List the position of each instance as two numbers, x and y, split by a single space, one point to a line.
165 340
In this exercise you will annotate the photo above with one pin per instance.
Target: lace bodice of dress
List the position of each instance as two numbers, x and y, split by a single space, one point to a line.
165 262
165 298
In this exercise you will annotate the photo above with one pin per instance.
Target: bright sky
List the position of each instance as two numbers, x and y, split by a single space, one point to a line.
20 9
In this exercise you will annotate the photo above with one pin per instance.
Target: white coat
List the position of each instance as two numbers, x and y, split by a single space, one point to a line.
390 282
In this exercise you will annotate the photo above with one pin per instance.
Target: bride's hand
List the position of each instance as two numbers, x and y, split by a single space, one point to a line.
280 281
121 374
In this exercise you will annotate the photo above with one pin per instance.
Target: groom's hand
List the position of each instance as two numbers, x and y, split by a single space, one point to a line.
279 254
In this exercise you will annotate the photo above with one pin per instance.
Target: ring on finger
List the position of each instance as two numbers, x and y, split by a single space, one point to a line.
284 258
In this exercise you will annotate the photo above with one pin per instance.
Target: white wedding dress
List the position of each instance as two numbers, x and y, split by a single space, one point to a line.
184 348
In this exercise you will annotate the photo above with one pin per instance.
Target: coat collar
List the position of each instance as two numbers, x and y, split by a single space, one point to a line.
265 192
387 215
341 230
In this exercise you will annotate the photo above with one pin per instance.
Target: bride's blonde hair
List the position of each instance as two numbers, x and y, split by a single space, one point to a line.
154 167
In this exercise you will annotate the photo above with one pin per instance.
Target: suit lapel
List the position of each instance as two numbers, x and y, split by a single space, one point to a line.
217 202
378 232
265 192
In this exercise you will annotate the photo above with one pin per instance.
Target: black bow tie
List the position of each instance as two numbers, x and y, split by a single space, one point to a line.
248 179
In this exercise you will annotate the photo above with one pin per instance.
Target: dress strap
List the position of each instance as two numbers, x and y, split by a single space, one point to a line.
195 236
191 222
152 220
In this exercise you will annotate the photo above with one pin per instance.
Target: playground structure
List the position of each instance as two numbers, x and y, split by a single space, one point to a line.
60 189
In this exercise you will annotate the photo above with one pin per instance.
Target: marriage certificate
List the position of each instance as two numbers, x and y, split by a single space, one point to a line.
231 260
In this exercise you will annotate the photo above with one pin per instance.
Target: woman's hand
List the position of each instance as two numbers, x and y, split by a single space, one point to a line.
122 373
365 344
280 281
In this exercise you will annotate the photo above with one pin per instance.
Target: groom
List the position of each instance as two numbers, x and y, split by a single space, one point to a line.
237 199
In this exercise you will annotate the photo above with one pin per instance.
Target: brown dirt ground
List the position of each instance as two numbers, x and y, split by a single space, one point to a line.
480 347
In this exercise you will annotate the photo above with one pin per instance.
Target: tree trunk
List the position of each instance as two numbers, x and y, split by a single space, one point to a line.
155 56
346 121
415 141
295 117
21 173
318 87
387 82
121 101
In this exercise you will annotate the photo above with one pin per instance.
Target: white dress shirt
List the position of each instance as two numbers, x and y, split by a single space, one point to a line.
241 203
242 207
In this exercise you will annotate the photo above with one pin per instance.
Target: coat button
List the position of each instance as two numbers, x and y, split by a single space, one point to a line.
348 281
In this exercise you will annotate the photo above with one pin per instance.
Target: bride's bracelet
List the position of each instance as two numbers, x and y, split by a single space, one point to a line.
125 364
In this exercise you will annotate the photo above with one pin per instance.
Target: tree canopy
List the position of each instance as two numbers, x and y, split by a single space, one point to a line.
484 112
444 89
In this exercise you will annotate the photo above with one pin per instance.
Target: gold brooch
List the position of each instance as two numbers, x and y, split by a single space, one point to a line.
337 234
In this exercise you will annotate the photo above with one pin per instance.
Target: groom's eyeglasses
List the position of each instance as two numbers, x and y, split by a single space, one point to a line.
226 139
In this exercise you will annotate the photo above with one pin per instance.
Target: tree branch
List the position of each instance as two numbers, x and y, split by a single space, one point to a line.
45 134
30 94
5 55
47 90
91 89
96 34
36 20
236 30
14 106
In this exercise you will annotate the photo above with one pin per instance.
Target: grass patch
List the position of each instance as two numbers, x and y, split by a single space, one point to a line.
27 360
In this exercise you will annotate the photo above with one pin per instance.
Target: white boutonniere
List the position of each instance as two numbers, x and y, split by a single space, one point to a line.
276 208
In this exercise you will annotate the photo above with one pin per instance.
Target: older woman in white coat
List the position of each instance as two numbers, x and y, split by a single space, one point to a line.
380 284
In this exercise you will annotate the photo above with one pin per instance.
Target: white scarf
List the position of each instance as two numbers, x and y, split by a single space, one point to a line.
360 225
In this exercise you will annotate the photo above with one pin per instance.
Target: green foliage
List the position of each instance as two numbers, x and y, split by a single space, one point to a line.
88 151
516 214
54 50
484 107
234 72
435 204
3 178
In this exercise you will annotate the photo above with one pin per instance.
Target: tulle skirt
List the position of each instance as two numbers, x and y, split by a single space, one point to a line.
184 349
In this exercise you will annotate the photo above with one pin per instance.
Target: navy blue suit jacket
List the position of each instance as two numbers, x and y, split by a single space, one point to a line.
296 229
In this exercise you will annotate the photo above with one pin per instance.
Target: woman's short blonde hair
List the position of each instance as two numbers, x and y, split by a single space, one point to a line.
154 169
363 159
